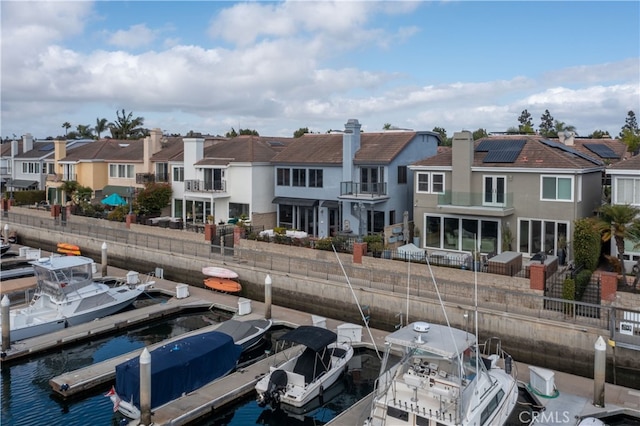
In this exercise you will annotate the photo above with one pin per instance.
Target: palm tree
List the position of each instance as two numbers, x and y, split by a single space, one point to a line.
66 126
126 126
619 221
561 126
101 126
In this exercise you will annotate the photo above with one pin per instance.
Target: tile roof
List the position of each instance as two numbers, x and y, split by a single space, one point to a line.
245 148
632 163
615 145
535 154
326 148
109 150
39 150
172 151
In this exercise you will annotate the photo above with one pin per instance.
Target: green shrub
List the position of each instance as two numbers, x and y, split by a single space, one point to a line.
582 282
324 244
568 293
586 244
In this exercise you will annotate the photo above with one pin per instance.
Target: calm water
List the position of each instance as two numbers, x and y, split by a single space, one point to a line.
27 398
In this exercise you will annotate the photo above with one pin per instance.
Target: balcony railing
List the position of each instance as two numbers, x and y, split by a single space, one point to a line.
61 177
476 199
142 178
162 177
204 186
357 189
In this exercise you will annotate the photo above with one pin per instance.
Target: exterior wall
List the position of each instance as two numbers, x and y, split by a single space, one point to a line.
262 190
632 252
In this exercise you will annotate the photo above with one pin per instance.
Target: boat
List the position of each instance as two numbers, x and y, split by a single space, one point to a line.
177 368
221 279
247 334
4 247
67 295
444 378
315 367
69 249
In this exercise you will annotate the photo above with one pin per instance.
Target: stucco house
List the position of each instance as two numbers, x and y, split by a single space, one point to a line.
349 182
625 189
510 192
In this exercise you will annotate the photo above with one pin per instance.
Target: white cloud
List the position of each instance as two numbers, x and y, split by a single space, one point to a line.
136 36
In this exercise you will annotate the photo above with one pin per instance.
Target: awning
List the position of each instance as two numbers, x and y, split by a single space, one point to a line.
329 204
305 202
19 183
122 191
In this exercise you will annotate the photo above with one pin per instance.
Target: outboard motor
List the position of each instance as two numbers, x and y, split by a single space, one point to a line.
277 384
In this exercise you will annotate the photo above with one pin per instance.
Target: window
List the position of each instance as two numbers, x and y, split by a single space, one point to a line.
556 188
540 235
299 177
315 178
463 234
431 183
236 210
627 191
31 168
178 174
283 177
402 174
371 180
494 190
121 171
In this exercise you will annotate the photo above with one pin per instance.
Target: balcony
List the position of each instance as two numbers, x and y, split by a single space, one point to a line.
144 178
162 177
359 190
493 204
61 177
204 186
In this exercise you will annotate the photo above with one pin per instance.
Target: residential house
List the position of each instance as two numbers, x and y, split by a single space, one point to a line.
228 178
510 192
350 183
625 189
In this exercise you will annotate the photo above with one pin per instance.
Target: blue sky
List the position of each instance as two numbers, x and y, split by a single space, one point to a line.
278 66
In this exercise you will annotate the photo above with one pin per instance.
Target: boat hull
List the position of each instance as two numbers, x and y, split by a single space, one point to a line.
224 285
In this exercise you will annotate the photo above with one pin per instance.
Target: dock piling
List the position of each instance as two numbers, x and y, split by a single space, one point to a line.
145 387
267 297
104 259
6 325
599 369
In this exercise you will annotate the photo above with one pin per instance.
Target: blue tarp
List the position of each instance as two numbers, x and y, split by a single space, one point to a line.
114 200
179 367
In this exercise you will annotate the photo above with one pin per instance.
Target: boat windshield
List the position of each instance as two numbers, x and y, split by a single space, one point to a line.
59 282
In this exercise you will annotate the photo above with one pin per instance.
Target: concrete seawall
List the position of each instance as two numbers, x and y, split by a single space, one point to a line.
553 344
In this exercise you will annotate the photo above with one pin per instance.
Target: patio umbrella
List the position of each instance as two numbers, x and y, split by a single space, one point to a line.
114 200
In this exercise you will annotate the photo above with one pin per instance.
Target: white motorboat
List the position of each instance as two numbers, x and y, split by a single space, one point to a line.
67 295
443 378
246 333
298 380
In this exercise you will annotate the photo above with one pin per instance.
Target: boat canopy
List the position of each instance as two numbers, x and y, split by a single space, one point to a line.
315 338
179 367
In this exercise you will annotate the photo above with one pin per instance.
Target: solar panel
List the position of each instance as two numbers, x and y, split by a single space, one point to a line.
501 156
47 147
603 151
569 150
501 151
275 143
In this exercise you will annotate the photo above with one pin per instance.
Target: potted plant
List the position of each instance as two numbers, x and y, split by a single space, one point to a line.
210 219
562 249
416 236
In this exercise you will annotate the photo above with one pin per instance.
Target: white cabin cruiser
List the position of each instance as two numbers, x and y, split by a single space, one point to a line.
443 378
303 377
67 295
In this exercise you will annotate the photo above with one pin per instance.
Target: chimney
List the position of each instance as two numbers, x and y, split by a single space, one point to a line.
151 145
566 137
59 149
27 143
350 145
193 152
14 148
461 162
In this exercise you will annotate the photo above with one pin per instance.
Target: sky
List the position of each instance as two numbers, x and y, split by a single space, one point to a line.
276 67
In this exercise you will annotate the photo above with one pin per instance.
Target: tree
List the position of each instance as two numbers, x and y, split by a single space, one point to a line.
631 139
301 131
546 124
249 132
599 134
443 136
526 126
386 126
619 222
513 130
84 131
101 126
154 197
586 243
479 134
561 126
66 125
126 126
630 123
231 134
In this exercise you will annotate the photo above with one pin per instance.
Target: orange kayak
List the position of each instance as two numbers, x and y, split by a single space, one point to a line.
225 285
69 249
